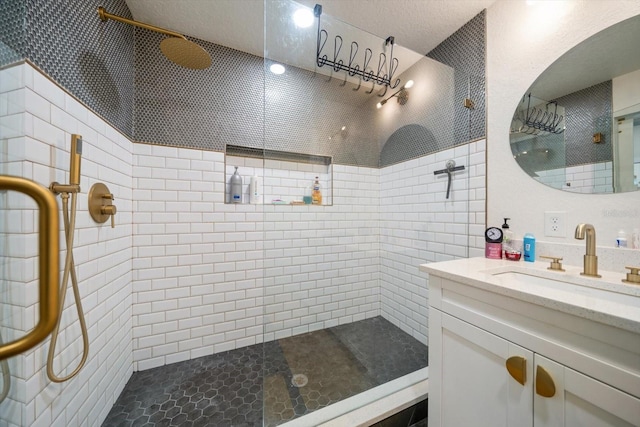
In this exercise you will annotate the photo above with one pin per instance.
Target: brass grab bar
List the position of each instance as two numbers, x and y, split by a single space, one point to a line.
49 252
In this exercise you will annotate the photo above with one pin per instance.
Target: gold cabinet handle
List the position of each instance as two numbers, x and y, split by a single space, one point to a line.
517 367
544 383
49 252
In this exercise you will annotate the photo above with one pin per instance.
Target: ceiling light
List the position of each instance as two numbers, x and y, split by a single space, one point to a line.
408 84
277 68
303 18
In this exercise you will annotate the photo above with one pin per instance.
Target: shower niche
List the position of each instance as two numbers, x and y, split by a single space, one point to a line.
283 178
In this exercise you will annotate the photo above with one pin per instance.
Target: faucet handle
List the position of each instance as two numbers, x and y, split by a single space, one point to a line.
556 265
633 276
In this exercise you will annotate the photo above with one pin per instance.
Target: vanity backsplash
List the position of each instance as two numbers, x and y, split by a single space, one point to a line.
609 258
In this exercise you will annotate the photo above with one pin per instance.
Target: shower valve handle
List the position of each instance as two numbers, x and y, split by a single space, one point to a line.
110 210
100 206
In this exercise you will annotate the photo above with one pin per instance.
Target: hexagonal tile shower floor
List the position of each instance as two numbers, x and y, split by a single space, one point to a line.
227 389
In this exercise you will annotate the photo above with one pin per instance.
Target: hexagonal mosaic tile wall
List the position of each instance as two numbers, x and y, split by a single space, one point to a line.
91 59
294 376
153 100
465 51
588 111
12 16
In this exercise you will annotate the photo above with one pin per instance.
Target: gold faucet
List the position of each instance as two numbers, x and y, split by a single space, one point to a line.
590 258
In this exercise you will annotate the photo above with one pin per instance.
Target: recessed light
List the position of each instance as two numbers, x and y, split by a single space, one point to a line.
303 18
277 68
408 84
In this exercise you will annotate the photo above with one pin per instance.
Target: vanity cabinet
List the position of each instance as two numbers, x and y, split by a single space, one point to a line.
498 361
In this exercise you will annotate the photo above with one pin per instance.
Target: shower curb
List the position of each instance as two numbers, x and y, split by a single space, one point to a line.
372 406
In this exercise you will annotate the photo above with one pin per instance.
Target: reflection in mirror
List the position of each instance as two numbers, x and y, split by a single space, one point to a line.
577 128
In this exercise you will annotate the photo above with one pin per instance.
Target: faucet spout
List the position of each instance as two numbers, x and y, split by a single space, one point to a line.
590 258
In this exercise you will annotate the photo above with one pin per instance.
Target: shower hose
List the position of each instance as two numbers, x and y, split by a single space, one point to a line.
69 271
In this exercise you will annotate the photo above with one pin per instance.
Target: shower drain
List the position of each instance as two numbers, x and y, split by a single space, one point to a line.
299 380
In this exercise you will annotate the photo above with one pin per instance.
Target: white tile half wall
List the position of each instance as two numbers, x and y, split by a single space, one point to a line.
593 178
419 224
37 121
206 272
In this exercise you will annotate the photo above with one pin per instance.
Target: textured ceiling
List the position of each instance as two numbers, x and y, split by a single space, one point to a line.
419 25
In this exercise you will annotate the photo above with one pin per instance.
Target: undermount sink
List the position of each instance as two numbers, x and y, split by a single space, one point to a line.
567 286
604 299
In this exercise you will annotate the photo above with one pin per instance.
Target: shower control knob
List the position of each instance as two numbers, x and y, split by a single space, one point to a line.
100 206
110 210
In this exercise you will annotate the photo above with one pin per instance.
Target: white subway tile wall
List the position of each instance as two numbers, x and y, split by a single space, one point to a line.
206 272
184 275
591 178
419 225
38 148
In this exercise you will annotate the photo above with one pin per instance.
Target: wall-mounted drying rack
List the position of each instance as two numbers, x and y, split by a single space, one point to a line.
353 69
450 167
538 119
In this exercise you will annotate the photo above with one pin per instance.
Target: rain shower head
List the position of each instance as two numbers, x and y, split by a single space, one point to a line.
176 47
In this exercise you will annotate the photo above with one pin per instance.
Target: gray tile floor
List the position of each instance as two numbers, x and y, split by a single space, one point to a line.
227 389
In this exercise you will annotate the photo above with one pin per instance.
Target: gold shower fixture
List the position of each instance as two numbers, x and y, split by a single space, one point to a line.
176 47
402 95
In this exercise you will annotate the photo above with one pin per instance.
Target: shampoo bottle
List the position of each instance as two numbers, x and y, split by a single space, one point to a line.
316 194
254 192
529 247
236 187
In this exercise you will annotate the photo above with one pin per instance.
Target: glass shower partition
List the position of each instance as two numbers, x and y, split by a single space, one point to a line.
345 306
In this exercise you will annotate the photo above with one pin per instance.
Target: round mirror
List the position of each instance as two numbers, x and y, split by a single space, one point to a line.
577 128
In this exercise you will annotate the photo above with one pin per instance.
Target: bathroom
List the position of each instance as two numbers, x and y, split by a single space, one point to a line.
176 247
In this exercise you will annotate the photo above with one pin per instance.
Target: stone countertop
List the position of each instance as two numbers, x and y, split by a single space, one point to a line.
606 300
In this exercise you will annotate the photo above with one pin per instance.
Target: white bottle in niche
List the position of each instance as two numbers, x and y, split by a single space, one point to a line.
236 187
254 191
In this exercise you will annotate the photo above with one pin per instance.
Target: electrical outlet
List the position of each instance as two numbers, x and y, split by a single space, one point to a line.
554 224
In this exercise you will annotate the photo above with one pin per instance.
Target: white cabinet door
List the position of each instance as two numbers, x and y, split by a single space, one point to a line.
470 382
580 401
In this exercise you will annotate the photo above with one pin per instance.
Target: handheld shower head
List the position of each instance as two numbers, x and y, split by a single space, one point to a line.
76 155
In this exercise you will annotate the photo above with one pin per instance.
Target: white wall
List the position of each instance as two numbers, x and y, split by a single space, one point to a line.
626 91
516 56
418 224
38 139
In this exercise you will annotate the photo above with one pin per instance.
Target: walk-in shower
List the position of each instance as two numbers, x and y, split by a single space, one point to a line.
205 312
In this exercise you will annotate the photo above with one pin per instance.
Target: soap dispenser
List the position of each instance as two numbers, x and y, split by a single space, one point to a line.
236 187
507 239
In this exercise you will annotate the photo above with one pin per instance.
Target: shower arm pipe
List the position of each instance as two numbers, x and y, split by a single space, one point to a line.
105 16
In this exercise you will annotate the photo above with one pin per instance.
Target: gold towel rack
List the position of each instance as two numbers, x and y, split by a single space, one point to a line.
49 252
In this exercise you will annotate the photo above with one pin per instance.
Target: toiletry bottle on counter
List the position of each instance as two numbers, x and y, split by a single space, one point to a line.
507 239
635 239
236 187
529 243
493 243
316 194
621 240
